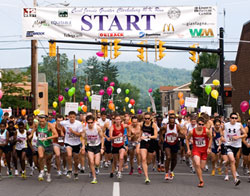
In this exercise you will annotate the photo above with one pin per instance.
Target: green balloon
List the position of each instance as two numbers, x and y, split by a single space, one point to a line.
112 88
208 89
79 108
71 92
90 98
127 91
73 89
63 101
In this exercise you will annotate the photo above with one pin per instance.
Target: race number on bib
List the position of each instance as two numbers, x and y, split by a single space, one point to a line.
41 135
60 139
171 138
118 140
145 134
200 142
217 141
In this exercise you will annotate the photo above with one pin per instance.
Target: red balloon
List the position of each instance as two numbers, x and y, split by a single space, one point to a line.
109 91
105 78
112 84
244 105
183 112
81 103
110 101
132 102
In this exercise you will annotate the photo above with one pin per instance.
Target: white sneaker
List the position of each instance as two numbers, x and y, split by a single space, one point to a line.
59 173
237 175
97 171
45 168
48 177
106 165
226 178
16 172
65 172
119 175
40 176
2 163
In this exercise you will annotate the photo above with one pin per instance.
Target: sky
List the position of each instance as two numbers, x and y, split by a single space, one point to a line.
15 52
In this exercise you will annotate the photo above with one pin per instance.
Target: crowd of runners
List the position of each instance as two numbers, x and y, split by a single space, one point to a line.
71 143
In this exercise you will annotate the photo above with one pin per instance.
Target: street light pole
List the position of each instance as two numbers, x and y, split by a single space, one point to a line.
58 77
74 98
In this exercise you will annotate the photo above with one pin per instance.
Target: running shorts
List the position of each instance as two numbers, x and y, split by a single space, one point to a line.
75 149
115 150
149 145
94 149
173 148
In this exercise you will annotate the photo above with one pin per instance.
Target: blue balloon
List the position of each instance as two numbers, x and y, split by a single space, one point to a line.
1 112
0 120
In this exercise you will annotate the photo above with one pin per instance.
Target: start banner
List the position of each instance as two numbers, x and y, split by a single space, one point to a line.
119 22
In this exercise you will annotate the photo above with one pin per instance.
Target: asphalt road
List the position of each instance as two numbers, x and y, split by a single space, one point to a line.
184 183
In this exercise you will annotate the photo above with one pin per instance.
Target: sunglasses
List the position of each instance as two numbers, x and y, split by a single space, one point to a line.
234 118
147 118
201 124
90 122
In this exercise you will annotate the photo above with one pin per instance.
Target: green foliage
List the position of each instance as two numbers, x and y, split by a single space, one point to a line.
14 95
157 98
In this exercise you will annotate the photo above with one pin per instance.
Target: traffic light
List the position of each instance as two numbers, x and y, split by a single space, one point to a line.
161 49
104 48
193 53
52 49
141 51
116 48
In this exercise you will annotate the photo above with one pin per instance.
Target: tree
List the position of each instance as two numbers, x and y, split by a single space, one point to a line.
14 96
157 99
207 60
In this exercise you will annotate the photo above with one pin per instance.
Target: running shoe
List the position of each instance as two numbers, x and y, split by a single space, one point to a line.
97 171
69 174
162 168
153 169
201 184
10 173
139 170
65 172
59 173
166 176
76 176
147 181
159 168
219 171
236 182
206 168
111 175
48 177
106 165
24 175
226 178
31 171
16 172
171 175
40 176
237 174
213 172
94 181
131 171
90 174
119 175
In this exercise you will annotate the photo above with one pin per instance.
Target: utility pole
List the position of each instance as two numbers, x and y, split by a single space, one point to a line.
34 70
58 77
221 71
74 99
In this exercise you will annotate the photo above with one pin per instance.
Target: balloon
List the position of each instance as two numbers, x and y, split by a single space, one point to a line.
87 88
132 111
0 104
54 104
103 109
180 95
139 111
84 108
100 54
109 91
208 89
79 61
111 106
90 98
88 93
150 90
53 112
233 68
214 94
66 90
111 101
74 80
126 99
73 89
244 105
23 112
71 92
119 91
127 91
129 106
85 98
216 82
249 111
182 106
181 101
183 112
101 92
132 102
60 98
81 103
112 88
105 78
1 94
112 84
33 112
63 101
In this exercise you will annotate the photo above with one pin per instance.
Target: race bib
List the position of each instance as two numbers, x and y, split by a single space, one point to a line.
41 135
145 134
71 135
200 142
2 141
217 141
118 140
60 140
171 139
230 138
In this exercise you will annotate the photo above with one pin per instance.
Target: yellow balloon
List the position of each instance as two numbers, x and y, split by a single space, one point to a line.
216 82
54 104
249 111
214 94
88 93
38 111
126 99
79 61
132 111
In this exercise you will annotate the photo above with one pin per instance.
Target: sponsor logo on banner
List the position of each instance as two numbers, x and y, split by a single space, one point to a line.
168 29
39 23
33 33
29 12
174 13
73 35
142 34
61 23
63 13
201 32
105 35
203 10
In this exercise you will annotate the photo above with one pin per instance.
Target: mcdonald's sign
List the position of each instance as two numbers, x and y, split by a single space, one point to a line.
201 32
168 29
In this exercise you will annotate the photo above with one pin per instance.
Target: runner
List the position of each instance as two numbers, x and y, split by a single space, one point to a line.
93 135
232 135
246 148
148 133
12 132
134 132
58 145
45 133
202 140
21 146
72 142
159 149
171 145
118 145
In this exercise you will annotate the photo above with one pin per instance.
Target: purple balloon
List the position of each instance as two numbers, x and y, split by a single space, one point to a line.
85 99
101 92
74 80
66 89
139 111
182 106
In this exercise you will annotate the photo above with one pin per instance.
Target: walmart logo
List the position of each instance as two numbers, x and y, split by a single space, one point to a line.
201 32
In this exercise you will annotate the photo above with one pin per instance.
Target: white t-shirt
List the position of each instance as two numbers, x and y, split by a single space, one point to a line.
71 138
102 123
230 131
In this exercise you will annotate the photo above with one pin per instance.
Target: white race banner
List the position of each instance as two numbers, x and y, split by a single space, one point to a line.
71 106
191 102
96 102
119 22
206 109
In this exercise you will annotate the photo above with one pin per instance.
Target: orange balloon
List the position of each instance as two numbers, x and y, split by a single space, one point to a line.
84 108
233 68
180 95
23 112
181 101
111 106
87 88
